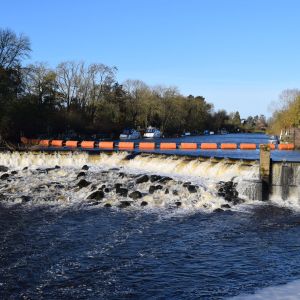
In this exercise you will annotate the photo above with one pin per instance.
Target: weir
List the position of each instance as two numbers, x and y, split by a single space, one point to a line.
280 178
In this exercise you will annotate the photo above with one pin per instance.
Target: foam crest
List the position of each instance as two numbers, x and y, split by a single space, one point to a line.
289 291
176 165
163 164
19 160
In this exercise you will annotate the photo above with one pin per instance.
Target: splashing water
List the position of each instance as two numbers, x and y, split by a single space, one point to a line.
205 174
183 182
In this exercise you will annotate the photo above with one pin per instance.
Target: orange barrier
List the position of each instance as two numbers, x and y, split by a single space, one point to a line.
34 141
106 145
87 144
245 146
286 147
126 145
272 146
44 143
57 143
72 144
209 146
228 146
146 146
26 141
168 146
188 146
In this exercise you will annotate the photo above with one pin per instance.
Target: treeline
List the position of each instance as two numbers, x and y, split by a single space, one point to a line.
286 114
77 99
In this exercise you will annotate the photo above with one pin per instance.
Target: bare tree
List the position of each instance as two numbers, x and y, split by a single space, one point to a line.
83 85
13 48
167 97
40 80
67 81
98 78
138 101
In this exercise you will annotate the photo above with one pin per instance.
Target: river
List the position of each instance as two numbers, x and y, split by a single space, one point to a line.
74 226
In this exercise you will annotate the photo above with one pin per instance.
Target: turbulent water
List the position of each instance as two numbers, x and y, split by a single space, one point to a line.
111 226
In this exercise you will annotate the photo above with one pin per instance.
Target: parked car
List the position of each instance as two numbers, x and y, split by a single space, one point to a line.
130 134
223 131
186 133
152 133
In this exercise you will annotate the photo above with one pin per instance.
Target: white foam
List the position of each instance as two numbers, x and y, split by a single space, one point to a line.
205 174
290 291
171 165
18 160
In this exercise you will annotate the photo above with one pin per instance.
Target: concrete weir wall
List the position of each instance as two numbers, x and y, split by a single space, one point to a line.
285 179
265 171
278 178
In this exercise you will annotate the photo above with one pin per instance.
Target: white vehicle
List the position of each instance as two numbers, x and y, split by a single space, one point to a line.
186 134
130 134
152 133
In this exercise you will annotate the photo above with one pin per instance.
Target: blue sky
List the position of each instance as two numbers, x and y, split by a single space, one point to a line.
238 54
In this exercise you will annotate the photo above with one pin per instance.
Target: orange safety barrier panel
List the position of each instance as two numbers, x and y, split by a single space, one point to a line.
245 146
106 145
188 146
34 141
44 143
87 144
57 143
126 145
228 146
146 145
209 146
168 146
72 144
272 146
286 147
27 141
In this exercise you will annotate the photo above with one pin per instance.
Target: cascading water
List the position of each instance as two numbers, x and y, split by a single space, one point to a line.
115 180
20 160
191 183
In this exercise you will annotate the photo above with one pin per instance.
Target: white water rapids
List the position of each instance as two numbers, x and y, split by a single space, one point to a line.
33 178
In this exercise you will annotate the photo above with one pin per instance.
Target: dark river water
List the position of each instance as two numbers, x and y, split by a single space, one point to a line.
105 254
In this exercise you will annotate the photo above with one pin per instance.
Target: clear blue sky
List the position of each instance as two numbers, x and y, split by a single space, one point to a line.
238 54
